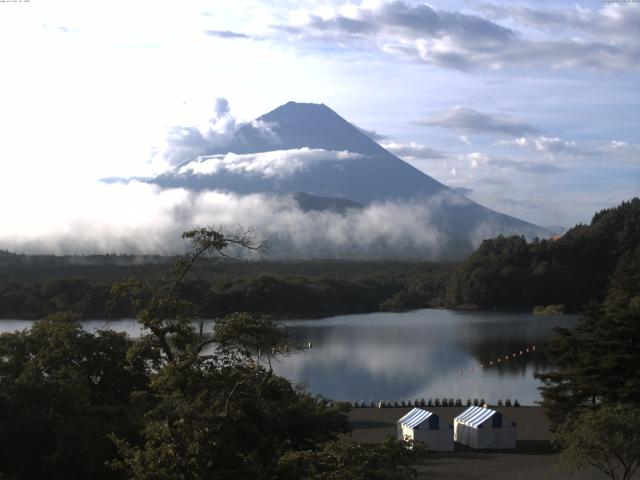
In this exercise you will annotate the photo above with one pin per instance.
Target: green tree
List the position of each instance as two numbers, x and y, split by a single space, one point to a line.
607 438
249 336
598 361
217 412
344 459
63 391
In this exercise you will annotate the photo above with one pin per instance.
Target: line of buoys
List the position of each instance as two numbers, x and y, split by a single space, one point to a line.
500 359
444 402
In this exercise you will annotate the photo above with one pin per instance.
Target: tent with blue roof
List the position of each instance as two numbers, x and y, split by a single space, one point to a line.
483 428
424 426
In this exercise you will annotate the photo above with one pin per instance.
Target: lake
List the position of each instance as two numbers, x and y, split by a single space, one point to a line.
418 354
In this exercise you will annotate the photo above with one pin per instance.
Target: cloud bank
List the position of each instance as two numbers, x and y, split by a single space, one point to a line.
277 163
141 218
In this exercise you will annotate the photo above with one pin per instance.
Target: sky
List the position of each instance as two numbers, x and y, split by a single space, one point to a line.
528 108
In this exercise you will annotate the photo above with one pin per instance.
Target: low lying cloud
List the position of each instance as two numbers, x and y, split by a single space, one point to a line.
277 163
472 121
141 218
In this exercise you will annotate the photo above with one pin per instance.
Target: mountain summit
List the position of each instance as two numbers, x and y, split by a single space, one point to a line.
309 125
313 150
308 148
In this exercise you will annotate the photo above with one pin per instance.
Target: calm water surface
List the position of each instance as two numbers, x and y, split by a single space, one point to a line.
418 354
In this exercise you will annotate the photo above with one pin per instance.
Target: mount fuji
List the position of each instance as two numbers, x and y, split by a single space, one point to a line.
310 153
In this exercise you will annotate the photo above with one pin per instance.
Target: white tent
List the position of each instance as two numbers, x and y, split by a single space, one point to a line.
480 428
424 426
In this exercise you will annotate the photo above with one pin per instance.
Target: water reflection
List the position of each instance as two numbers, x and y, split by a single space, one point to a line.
389 356
420 354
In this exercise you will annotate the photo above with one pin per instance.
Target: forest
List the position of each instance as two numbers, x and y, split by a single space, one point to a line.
32 286
509 272
503 273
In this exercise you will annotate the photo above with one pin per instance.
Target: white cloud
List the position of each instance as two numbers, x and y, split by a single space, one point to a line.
412 150
140 218
183 143
559 149
544 144
477 160
606 39
620 151
277 163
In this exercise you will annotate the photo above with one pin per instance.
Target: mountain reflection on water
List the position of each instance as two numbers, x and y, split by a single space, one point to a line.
419 354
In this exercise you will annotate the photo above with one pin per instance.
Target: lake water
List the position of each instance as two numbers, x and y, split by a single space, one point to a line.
418 354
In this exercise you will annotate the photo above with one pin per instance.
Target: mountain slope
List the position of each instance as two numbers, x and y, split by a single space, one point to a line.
373 175
302 147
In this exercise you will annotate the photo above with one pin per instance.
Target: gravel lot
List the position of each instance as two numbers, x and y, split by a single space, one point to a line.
534 457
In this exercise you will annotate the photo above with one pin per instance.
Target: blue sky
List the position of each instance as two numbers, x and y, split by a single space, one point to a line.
531 108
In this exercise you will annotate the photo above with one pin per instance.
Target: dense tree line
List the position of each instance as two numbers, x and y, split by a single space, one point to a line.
504 272
592 395
341 289
571 270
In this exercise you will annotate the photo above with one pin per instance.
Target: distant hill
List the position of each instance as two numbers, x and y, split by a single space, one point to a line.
571 269
308 149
